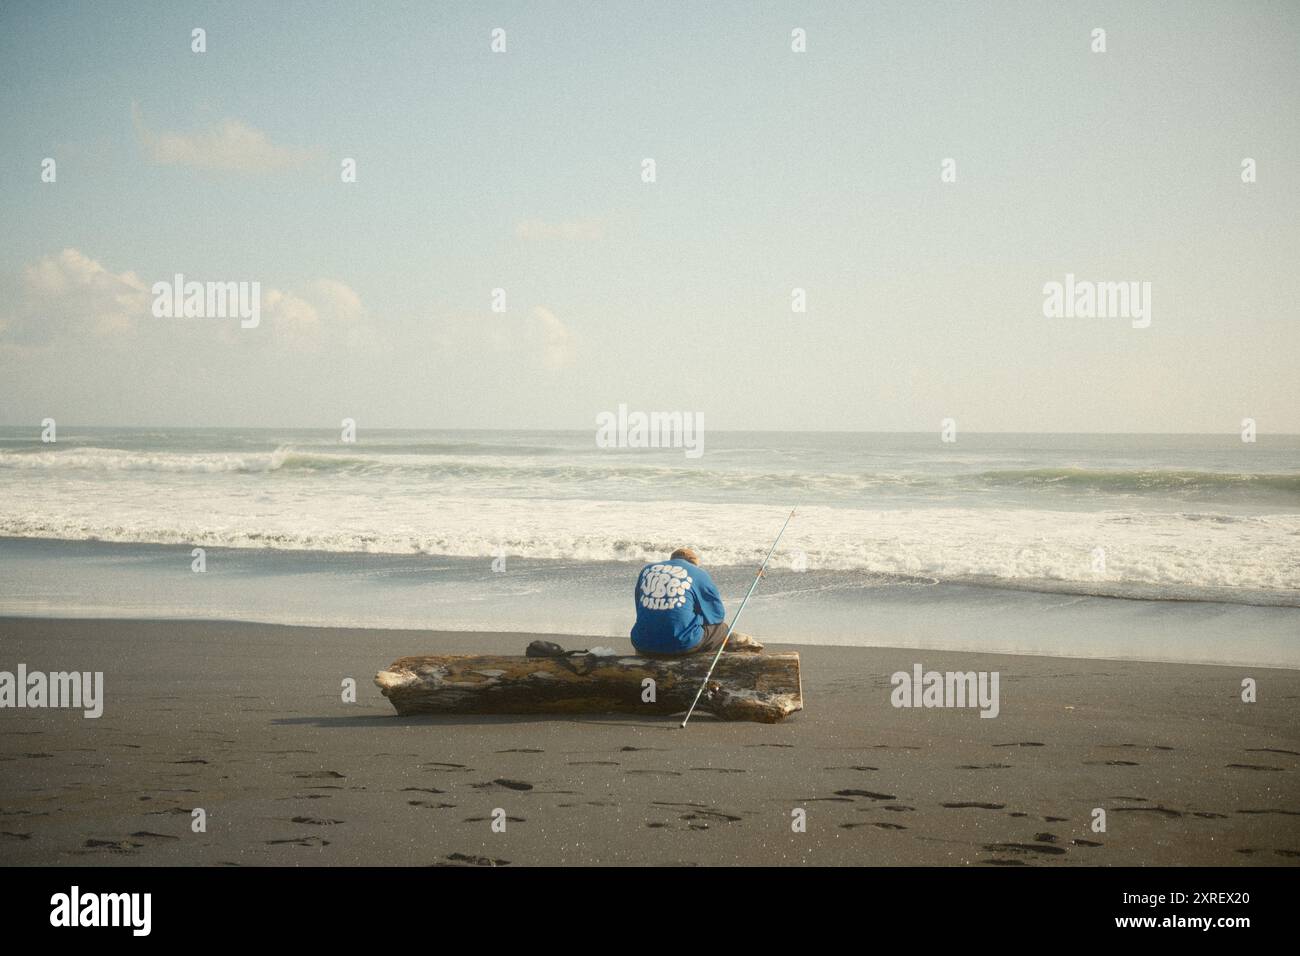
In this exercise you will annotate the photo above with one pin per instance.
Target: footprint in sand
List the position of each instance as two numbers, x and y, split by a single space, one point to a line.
485 819
1271 750
147 835
15 836
1027 743
299 841
985 766
1045 837
1043 848
718 769
316 821
421 790
873 823
522 750
865 793
712 815
318 775
1163 811
1005 862
971 805
1085 843
1209 815
429 805
1252 766
1110 763
666 773
465 859
593 763
113 846
1289 813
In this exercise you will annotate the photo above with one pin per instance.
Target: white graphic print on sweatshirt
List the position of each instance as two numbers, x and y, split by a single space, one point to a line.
664 586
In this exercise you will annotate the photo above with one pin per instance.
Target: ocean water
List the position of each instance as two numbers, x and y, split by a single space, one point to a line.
1163 547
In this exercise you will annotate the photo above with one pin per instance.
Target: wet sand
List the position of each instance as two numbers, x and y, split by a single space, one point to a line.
246 721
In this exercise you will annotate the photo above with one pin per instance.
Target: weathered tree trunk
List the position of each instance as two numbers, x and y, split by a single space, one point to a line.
760 687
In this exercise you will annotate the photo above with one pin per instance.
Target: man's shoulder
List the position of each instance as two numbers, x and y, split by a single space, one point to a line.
699 572
666 563
676 567
676 564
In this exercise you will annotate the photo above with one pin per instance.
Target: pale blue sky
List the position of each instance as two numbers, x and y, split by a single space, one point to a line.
775 170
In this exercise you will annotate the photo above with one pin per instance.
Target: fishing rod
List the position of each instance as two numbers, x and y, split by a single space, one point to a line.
723 646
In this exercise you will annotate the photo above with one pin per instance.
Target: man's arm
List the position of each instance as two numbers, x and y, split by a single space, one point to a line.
707 599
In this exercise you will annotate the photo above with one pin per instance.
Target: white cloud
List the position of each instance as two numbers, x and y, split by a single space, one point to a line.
73 294
293 321
230 145
583 230
71 297
325 312
553 337
538 340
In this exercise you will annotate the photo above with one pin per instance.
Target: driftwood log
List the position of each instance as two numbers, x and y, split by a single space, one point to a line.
759 687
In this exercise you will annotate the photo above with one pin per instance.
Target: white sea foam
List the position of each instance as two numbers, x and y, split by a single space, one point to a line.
1175 517
1170 551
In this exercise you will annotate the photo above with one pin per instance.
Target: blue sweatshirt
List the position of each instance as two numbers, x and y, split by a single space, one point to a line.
674 600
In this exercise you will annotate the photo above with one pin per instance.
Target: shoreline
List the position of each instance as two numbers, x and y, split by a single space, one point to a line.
94 580
246 722
572 640
1048 587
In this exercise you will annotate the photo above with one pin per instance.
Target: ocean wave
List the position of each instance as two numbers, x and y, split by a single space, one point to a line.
113 459
450 464
1138 481
1251 559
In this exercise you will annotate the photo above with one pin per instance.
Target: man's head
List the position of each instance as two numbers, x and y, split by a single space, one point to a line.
687 554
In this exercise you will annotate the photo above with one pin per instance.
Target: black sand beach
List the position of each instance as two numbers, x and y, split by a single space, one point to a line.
246 722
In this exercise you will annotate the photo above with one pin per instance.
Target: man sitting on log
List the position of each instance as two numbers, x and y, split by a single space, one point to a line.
679 610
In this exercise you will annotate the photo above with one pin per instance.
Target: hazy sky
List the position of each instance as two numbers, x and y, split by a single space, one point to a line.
775 170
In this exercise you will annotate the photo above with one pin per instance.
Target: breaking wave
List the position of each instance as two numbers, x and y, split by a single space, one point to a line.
450 462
